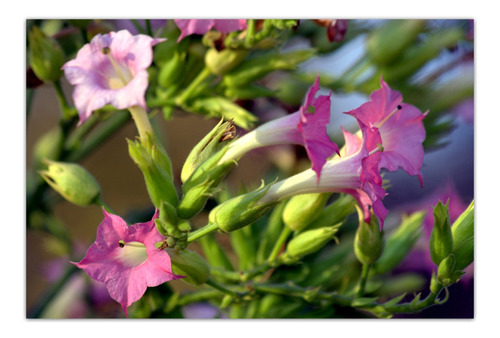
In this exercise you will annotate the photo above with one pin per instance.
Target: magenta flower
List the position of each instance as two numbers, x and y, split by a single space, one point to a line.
400 126
126 259
306 127
356 173
201 26
111 69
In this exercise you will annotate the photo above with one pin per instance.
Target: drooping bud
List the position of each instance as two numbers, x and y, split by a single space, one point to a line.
241 210
441 241
308 242
400 243
463 238
369 240
302 210
45 55
221 62
190 264
72 181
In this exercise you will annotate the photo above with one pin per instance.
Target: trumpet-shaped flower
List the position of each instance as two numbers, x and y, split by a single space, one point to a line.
126 259
400 126
111 69
356 173
201 26
306 127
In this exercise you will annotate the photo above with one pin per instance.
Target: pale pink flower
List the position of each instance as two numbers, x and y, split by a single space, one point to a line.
111 69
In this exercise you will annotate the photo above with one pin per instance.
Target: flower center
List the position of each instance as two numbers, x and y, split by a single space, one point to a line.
132 254
121 76
389 116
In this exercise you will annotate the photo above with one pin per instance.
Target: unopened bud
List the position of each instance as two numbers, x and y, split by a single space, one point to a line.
302 210
158 180
441 241
221 62
48 147
188 263
207 147
308 242
463 238
72 181
369 240
446 270
241 210
46 56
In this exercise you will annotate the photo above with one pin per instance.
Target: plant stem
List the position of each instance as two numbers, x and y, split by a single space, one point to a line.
362 281
221 288
141 121
279 243
193 236
193 86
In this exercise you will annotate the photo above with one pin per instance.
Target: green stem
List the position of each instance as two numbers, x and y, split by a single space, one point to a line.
250 33
51 293
66 110
193 236
279 243
363 279
221 288
141 121
193 86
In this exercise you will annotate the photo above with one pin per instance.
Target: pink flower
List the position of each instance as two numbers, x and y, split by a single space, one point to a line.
306 127
400 126
111 69
201 26
356 173
126 259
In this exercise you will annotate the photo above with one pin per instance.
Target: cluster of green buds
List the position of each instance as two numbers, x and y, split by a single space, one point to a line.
451 248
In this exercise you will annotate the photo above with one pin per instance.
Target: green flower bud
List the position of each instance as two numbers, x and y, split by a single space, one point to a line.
400 243
463 238
387 42
369 240
45 55
207 147
188 263
156 174
72 181
257 67
336 212
194 200
441 241
222 62
307 243
240 211
219 106
301 210
446 270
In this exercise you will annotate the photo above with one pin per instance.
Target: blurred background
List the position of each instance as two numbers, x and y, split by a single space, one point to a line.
441 81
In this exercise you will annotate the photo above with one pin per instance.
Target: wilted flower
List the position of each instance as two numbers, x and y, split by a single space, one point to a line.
126 259
111 69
